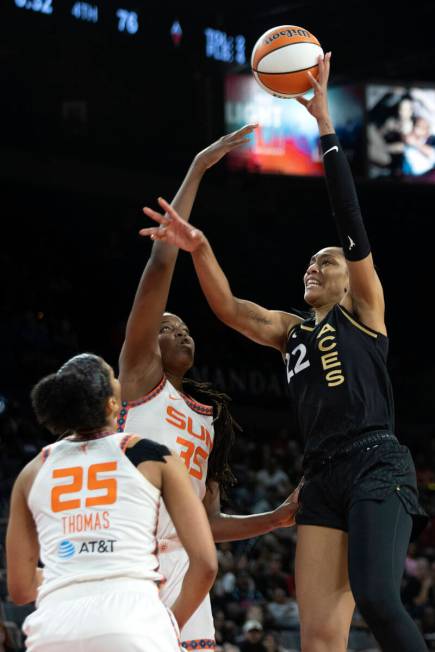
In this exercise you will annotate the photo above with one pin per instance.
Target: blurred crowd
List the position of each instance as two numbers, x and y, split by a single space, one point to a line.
254 595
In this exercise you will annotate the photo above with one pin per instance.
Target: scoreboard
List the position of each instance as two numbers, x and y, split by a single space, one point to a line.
124 18
139 21
114 79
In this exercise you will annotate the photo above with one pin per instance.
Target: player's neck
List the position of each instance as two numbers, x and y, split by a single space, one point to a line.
90 435
97 433
321 312
176 380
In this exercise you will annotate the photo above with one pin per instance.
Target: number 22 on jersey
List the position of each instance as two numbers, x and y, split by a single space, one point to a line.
93 484
296 361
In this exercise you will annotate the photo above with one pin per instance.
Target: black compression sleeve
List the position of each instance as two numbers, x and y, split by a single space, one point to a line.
146 450
344 200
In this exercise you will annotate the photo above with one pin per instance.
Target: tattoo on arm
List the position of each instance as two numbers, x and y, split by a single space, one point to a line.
252 314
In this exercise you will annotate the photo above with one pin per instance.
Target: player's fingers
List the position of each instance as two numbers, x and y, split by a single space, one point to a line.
303 101
239 141
171 212
321 68
156 234
313 81
154 215
327 66
243 131
160 234
324 69
148 231
246 129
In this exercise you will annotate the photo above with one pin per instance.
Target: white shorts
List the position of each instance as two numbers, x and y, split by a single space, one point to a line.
198 632
102 616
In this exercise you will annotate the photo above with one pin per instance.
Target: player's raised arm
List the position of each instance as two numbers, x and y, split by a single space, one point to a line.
140 349
268 327
364 285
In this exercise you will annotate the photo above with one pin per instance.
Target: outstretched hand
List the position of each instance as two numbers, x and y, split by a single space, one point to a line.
284 515
214 152
173 229
318 104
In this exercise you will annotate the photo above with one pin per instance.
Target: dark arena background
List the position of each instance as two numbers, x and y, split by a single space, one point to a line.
103 105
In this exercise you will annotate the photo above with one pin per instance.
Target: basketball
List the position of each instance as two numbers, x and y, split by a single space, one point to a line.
281 58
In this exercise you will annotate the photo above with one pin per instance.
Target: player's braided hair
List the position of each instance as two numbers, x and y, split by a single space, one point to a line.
225 426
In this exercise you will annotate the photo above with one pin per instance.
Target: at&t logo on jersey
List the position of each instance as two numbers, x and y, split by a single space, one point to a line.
99 546
66 550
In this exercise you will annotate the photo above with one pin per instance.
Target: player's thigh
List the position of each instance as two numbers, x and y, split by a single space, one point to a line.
323 591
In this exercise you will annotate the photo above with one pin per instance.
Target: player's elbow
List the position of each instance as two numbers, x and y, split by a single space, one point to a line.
233 314
21 599
20 594
210 571
207 565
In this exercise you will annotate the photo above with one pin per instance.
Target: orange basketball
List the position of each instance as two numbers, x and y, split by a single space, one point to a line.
281 58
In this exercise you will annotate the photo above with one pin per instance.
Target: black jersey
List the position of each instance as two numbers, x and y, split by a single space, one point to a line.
338 380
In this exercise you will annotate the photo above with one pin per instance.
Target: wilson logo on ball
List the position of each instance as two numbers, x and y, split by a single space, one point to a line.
288 32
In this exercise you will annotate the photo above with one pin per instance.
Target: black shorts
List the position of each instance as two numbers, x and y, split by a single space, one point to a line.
371 468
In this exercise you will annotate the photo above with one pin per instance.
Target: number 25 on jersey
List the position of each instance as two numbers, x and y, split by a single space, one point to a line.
93 484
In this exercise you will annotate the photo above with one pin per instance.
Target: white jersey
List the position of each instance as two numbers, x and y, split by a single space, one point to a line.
185 426
95 513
